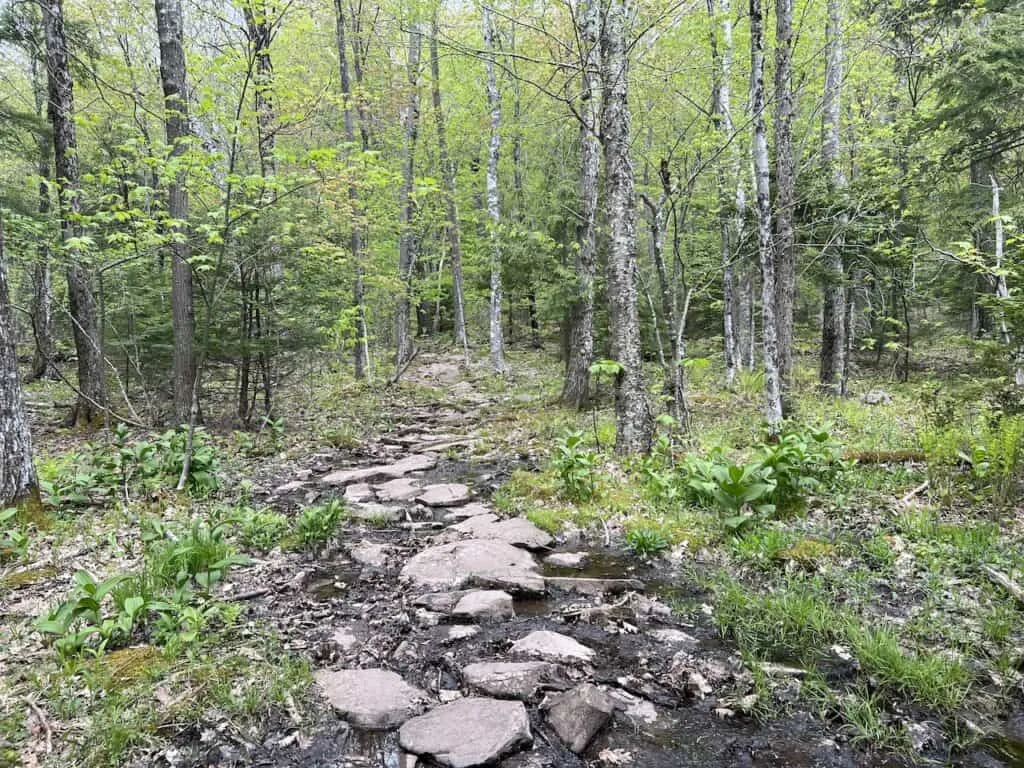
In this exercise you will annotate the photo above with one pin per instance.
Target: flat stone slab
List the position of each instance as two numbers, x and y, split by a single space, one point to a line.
594 586
578 715
552 646
468 732
508 679
415 462
374 511
475 563
402 489
373 699
359 493
675 637
369 553
466 511
445 495
517 531
567 559
485 604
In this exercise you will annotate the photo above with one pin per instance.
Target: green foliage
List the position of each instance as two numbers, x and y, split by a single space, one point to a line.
741 491
646 540
802 461
576 468
317 524
262 529
865 719
266 441
13 538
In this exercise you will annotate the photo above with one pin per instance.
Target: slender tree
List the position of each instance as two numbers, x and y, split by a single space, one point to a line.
785 192
633 421
833 323
91 404
176 123
497 341
576 389
765 241
42 282
18 484
407 237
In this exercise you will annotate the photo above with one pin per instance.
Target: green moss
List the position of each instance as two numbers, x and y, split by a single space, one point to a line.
26 577
124 667
808 553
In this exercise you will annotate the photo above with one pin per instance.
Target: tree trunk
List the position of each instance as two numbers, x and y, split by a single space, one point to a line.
633 422
451 204
765 242
18 484
407 237
497 341
361 351
785 195
576 389
1002 289
91 404
42 305
176 124
833 317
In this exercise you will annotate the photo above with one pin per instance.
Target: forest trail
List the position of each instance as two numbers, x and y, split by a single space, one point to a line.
441 628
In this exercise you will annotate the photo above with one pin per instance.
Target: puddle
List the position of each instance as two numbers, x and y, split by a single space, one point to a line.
328 583
532 607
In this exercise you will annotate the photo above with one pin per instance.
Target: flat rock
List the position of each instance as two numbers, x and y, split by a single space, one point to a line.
346 638
517 531
507 679
594 586
402 489
290 487
374 699
475 563
374 511
485 604
369 553
461 632
577 715
567 559
467 732
444 495
473 509
675 637
359 493
552 646
415 462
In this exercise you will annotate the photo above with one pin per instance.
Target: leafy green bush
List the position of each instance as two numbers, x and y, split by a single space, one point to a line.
262 529
201 554
802 460
646 540
317 524
13 540
576 468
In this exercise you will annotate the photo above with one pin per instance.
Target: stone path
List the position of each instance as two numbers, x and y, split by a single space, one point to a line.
467 638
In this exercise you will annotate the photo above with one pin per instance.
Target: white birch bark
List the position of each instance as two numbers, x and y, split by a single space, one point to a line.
497 341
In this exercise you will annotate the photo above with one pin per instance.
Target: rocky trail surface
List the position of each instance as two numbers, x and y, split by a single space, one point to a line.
445 634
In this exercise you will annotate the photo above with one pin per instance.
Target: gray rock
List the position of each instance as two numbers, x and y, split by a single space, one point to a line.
473 509
485 604
442 602
373 511
594 586
402 489
517 531
445 495
289 487
416 462
579 714
461 632
552 646
467 732
876 397
675 637
346 639
567 559
369 553
359 493
374 699
475 562
507 679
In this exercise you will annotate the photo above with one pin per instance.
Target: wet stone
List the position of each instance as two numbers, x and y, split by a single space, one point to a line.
468 732
359 493
475 562
594 587
578 715
485 604
373 511
374 699
369 553
675 637
516 531
508 679
473 509
445 495
461 632
402 489
416 462
567 559
552 646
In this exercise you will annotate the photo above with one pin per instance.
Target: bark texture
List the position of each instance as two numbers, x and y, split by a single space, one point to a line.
765 241
42 305
18 484
176 125
785 193
497 341
91 403
576 389
833 315
407 237
1002 289
633 421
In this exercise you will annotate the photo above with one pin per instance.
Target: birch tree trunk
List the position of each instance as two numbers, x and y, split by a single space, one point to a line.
633 421
576 389
172 76
407 238
1002 289
833 316
91 403
765 241
361 351
785 194
18 484
497 341
451 204
42 305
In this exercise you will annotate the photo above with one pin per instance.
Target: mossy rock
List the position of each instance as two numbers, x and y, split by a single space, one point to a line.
129 665
808 553
26 577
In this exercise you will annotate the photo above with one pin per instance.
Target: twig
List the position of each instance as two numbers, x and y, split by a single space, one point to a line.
253 594
1005 582
914 493
398 374
44 723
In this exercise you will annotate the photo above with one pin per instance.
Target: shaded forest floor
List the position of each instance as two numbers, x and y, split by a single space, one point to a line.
866 617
